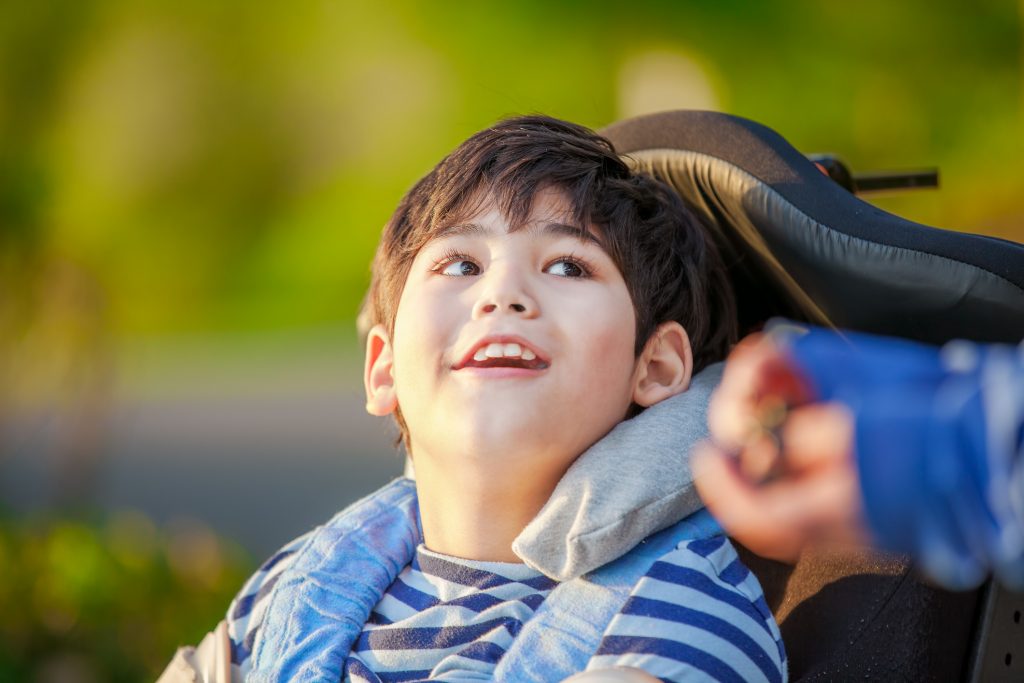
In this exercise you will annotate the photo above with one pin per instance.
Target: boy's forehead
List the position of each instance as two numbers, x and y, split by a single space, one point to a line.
551 215
533 228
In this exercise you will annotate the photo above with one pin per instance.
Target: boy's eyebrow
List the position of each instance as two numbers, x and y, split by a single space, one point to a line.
570 231
560 229
459 230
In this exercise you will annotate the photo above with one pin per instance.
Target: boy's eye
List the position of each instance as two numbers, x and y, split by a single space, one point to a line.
459 268
566 267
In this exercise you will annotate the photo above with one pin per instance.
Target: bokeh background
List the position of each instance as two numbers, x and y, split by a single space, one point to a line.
190 196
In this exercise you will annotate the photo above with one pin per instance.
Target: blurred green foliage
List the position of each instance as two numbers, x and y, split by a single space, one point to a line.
108 601
223 166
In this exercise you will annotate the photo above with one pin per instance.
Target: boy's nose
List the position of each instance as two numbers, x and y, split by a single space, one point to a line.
504 289
491 308
513 301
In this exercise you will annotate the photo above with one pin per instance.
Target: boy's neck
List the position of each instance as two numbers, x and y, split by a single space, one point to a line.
476 513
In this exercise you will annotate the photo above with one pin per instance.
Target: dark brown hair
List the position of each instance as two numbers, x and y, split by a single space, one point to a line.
670 264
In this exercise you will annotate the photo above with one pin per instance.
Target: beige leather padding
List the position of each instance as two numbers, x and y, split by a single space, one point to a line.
719 193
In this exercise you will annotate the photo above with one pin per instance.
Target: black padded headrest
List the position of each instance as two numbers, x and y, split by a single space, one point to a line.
800 245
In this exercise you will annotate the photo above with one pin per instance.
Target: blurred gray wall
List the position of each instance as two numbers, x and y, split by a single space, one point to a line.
260 440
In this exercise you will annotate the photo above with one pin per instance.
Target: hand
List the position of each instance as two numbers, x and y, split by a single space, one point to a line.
813 493
758 376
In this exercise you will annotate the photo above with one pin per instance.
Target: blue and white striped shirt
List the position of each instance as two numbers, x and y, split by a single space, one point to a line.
447 617
247 609
698 613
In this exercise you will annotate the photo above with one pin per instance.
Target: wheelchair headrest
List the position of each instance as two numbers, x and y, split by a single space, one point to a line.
801 246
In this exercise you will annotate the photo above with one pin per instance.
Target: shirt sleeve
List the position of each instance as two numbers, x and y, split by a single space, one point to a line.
247 609
698 614
939 446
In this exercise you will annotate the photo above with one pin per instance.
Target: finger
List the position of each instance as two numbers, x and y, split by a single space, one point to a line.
759 458
758 364
834 508
743 365
756 517
779 519
756 370
729 409
817 435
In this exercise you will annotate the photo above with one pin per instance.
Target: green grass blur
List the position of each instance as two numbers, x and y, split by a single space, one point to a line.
227 166
108 600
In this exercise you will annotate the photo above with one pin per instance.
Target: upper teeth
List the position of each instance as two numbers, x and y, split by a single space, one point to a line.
496 350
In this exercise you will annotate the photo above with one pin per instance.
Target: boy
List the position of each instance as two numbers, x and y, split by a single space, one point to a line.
530 293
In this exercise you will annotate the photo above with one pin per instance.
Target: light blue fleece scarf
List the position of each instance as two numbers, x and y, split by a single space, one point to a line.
318 607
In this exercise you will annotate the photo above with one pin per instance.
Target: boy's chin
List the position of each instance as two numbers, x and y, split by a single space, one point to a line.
507 439
492 415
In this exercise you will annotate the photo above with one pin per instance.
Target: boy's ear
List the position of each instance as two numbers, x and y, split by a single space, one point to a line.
378 373
665 365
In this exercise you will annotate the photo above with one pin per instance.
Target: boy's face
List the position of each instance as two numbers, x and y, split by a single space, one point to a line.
515 346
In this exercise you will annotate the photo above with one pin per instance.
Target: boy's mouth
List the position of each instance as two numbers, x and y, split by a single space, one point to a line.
505 352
